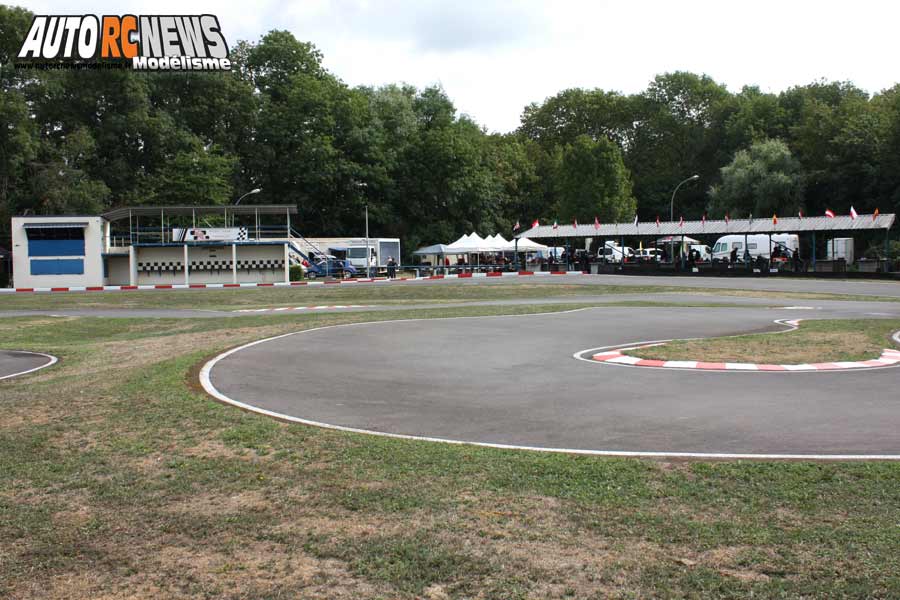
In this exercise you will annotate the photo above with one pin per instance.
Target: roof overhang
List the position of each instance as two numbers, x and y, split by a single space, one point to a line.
719 227
56 225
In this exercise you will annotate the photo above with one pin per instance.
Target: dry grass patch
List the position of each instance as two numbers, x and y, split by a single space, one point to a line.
814 342
119 483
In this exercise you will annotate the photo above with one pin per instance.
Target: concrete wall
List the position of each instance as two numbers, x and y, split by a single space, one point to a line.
158 266
117 270
93 250
207 264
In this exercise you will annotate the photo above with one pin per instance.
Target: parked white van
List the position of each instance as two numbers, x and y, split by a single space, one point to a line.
757 244
615 254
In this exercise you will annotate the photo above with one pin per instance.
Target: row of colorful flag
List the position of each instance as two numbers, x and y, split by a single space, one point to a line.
828 213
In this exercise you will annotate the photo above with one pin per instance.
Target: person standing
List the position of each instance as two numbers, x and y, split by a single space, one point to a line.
391 267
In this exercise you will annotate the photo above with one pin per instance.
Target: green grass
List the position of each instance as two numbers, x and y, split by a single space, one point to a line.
119 479
228 299
815 341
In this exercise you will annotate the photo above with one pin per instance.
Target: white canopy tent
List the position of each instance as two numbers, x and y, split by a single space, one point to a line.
526 245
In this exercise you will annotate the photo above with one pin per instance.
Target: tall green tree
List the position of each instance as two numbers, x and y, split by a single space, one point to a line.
763 180
593 181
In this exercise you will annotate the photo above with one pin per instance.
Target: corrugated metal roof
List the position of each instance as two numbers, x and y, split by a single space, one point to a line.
784 225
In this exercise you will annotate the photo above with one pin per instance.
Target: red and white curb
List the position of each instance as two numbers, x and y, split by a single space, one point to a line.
210 388
888 358
218 286
617 356
51 360
296 308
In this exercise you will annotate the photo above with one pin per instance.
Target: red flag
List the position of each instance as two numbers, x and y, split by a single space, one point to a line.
726 218
829 213
853 214
516 226
657 220
596 223
800 214
703 220
575 223
535 224
774 219
875 214
681 222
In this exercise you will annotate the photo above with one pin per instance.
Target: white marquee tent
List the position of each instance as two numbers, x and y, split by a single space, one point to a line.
474 244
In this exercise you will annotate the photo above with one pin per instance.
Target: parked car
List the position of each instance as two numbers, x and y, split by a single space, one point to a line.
333 267
649 254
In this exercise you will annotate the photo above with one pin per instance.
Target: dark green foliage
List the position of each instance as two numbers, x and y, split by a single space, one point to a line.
87 141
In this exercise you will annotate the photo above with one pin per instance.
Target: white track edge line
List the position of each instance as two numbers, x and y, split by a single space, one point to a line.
210 389
53 361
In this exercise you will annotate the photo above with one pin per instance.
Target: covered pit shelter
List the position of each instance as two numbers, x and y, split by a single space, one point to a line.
815 228
155 245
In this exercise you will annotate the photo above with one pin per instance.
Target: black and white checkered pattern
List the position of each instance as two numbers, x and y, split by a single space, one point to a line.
160 266
260 264
242 235
210 265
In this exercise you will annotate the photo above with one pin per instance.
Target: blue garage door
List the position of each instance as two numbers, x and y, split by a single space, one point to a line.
57 266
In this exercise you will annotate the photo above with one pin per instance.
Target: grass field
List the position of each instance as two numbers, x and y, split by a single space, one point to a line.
119 479
814 341
394 293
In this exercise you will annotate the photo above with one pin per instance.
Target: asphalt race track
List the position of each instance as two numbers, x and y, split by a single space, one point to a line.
14 363
514 381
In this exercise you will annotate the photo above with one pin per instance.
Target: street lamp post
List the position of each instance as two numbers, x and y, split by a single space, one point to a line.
672 216
362 185
238 201
675 191
368 261
250 193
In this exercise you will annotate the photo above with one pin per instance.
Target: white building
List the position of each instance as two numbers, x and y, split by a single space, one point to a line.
163 245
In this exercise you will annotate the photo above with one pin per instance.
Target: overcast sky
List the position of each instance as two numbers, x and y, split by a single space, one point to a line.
493 58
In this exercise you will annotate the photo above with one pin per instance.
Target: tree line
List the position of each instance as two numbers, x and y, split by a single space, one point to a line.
86 141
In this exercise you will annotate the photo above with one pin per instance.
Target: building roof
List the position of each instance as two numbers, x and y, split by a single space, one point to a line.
741 226
125 212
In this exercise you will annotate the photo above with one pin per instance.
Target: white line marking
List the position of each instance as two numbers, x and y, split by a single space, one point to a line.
53 361
210 389
886 359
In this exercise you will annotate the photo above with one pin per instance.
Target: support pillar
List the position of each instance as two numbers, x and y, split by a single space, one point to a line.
813 254
234 263
287 265
132 265
187 275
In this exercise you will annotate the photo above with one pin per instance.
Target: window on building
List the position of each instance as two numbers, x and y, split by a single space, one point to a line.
55 241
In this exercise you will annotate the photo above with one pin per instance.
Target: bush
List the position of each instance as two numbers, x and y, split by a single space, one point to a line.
296 273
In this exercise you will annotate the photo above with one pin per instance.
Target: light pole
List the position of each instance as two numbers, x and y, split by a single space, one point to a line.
250 193
362 185
672 217
672 203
